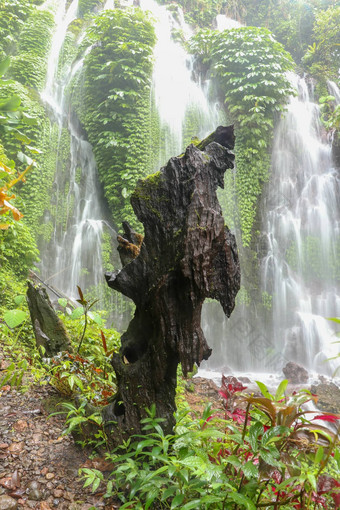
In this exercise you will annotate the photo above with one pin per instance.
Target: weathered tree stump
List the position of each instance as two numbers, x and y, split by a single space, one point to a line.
49 330
187 255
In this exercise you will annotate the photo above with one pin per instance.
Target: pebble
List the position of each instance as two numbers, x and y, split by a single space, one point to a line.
58 493
7 503
16 448
50 476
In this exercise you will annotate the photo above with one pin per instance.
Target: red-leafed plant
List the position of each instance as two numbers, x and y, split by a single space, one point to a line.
276 450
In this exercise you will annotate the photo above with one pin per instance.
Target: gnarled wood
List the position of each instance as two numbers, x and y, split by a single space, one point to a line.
187 255
49 330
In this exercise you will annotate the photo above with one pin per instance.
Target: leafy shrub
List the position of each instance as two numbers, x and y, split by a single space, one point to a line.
265 454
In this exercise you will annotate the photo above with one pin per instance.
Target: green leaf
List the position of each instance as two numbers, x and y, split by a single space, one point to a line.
11 104
312 480
270 457
34 150
264 390
168 493
274 432
63 302
4 65
77 312
18 300
177 501
281 389
194 504
240 499
22 137
254 432
319 455
14 318
25 159
250 470
96 484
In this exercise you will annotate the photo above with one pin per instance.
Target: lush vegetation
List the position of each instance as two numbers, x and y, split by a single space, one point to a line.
262 451
252 78
112 99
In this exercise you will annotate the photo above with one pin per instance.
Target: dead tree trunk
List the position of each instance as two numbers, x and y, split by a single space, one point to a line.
49 330
187 255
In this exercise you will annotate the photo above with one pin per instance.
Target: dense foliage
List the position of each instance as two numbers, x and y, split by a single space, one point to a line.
114 103
251 69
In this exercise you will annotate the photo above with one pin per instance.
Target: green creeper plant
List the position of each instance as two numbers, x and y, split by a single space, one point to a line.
250 66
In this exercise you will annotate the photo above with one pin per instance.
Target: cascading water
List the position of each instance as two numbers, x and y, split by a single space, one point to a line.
300 270
183 111
302 229
73 257
181 103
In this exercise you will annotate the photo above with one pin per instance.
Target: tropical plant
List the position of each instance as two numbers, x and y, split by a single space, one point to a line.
111 96
266 454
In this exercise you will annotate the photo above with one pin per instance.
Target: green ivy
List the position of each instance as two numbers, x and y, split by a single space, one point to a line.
111 96
29 65
200 13
87 6
323 55
250 66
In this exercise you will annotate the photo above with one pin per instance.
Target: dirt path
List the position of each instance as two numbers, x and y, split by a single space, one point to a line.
38 465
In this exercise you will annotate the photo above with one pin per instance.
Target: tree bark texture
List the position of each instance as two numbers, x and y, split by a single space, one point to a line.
49 330
186 256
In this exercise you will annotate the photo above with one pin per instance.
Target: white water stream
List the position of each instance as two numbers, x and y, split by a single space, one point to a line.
300 270
74 255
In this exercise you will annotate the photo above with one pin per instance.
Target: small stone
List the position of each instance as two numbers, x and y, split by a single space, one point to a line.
3 446
35 495
57 493
56 502
20 425
44 506
37 438
49 485
44 471
7 503
49 476
16 448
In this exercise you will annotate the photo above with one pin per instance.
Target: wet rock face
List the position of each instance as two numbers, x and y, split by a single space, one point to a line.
295 373
187 255
328 396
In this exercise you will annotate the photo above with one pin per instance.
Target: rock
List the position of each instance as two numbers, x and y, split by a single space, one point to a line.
50 476
16 448
7 503
295 373
20 425
49 330
44 506
33 491
328 396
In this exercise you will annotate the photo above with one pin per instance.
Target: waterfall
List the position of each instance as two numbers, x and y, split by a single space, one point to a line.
181 102
300 271
303 234
73 257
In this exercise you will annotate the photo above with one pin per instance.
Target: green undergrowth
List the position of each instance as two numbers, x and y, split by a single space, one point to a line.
259 452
